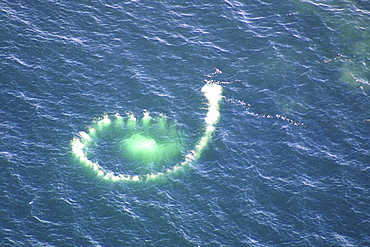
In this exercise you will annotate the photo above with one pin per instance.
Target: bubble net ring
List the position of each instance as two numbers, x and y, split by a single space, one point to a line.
140 145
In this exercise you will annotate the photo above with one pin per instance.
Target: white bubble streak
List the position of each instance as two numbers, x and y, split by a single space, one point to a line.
213 94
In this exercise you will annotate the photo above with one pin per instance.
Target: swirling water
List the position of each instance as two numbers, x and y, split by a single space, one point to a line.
289 160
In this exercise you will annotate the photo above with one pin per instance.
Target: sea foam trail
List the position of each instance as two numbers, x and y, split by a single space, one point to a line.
213 94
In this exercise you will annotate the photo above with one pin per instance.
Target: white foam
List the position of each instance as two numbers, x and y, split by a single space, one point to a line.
213 94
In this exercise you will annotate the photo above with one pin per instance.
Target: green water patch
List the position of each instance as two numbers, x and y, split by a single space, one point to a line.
356 69
348 24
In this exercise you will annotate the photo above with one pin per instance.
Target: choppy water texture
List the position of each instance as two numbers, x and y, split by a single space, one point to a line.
288 164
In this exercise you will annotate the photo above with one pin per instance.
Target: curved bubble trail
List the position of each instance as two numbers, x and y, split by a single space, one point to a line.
149 141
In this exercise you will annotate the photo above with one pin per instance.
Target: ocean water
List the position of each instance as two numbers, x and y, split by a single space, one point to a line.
288 163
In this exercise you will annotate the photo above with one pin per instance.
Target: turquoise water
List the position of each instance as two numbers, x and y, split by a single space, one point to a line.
288 164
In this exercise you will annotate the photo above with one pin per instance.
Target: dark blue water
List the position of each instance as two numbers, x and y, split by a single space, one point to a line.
288 164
